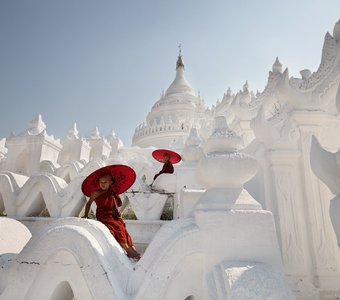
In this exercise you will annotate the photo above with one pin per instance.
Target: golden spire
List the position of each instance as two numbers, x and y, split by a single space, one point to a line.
180 61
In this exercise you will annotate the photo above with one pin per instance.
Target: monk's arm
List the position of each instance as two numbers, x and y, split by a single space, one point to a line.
88 205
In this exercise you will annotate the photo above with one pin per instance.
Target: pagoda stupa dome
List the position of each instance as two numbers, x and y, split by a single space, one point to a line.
173 115
180 90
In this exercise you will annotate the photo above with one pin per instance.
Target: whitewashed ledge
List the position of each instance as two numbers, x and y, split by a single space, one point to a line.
34 224
141 231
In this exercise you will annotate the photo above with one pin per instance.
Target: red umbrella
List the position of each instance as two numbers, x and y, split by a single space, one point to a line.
123 177
159 155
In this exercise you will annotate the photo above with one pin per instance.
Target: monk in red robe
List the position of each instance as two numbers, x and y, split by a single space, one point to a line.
107 212
167 167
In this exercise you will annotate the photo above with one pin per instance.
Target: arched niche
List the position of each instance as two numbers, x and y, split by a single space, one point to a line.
37 206
63 291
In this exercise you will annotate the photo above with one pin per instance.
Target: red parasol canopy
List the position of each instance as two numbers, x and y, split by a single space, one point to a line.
123 176
159 155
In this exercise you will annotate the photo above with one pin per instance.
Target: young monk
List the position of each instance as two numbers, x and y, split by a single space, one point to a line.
167 157
107 212
167 167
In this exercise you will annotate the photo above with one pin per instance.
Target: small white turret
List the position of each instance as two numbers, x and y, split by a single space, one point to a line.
192 151
336 31
27 150
100 147
277 67
115 142
36 126
74 148
95 133
73 132
246 86
305 74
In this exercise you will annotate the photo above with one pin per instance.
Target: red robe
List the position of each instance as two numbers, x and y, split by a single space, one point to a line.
107 213
167 168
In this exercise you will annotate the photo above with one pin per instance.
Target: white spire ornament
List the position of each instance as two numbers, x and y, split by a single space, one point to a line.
73 132
36 126
224 170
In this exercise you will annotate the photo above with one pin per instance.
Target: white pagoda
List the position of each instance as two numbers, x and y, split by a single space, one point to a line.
251 212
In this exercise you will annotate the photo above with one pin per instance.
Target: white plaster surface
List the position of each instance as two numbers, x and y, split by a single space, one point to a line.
255 281
72 248
165 183
147 205
13 238
222 244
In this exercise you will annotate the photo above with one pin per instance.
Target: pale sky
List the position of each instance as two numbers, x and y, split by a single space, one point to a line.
105 63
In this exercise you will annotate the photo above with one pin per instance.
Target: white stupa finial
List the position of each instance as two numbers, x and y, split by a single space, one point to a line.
73 132
305 74
246 86
336 31
95 133
277 67
36 126
180 61
112 133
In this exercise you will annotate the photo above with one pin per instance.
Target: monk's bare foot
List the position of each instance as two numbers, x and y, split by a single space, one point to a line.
132 253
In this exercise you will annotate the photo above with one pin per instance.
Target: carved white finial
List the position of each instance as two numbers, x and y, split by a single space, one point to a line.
336 31
73 132
277 66
112 133
114 141
192 151
305 74
286 75
222 139
246 86
180 61
36 126
95 133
